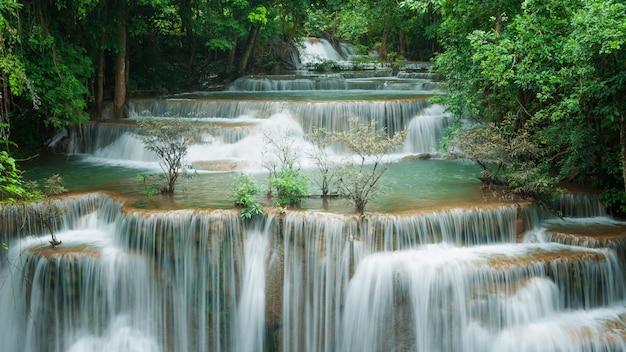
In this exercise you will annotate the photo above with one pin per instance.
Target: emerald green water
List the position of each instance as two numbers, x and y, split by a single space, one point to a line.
411 185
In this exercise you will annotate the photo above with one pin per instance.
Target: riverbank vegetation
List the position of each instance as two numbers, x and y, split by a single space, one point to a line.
547 81
550 72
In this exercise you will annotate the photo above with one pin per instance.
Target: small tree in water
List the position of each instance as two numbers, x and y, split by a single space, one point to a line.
170 140
359 179
326 169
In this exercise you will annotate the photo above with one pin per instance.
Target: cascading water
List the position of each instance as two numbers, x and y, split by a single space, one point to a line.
437 298
88 296
426 130
197 281
488 276
319 49
234 132
250 327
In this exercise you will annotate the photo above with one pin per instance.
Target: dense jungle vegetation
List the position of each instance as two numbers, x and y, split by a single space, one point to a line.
540 85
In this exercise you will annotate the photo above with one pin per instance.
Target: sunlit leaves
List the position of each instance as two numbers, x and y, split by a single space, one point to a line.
600 25
258 15
11 63
12 186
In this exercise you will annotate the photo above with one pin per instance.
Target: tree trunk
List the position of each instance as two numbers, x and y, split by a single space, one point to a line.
186 17
100 79
287 43
120 110
402 43
5 123
243 64
335 27
231 55
382 52
622 143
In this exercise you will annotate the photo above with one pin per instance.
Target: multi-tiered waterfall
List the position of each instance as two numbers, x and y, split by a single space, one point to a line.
454 280
433 267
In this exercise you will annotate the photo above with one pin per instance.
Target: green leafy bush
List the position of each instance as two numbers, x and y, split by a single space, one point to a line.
12 186
244 192
615 200
291 186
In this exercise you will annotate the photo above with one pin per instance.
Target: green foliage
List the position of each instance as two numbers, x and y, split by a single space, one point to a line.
280 152
11 62
58 70
14 190
360 180
12 186
614 200
325 66
169 140
150 189
353 25
545 75
318 22
53 186
244 191
258 15
508 157
291 186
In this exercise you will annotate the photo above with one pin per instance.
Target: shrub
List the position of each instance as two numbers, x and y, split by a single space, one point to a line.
291 186
510 158
244 192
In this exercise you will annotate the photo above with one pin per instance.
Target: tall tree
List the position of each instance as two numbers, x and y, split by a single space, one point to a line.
120 109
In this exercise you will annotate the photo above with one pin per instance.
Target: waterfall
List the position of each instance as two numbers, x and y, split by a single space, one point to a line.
289 83
197 257
443 268
18 221
250 330
88 295
332 82
433 298
90 137
230 126
317 264
426 130
239 139
456 226
320 49
394 114
453 280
